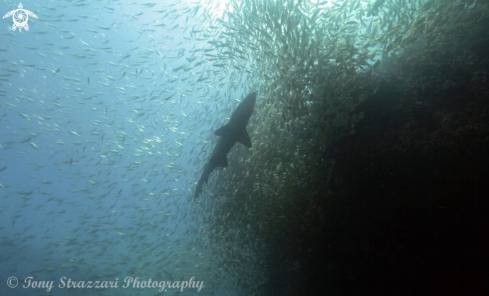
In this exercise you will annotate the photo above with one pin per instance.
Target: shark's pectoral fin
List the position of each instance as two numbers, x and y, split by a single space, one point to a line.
244 138
224 131
221 162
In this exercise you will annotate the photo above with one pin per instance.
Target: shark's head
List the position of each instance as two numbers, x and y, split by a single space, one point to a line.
251 98
248 104
242 114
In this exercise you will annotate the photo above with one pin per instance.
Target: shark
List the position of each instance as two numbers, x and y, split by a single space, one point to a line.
230 133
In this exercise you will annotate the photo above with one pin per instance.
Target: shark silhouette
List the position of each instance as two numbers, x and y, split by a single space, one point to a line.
234 131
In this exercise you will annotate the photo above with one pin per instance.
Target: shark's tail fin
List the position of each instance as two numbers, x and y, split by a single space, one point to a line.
198 189
208 168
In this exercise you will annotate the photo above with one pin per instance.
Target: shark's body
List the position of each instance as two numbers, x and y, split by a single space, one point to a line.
234 131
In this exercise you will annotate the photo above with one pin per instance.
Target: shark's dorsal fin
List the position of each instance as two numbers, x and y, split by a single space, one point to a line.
244 138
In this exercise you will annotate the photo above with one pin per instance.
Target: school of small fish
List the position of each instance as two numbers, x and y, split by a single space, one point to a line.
107 115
